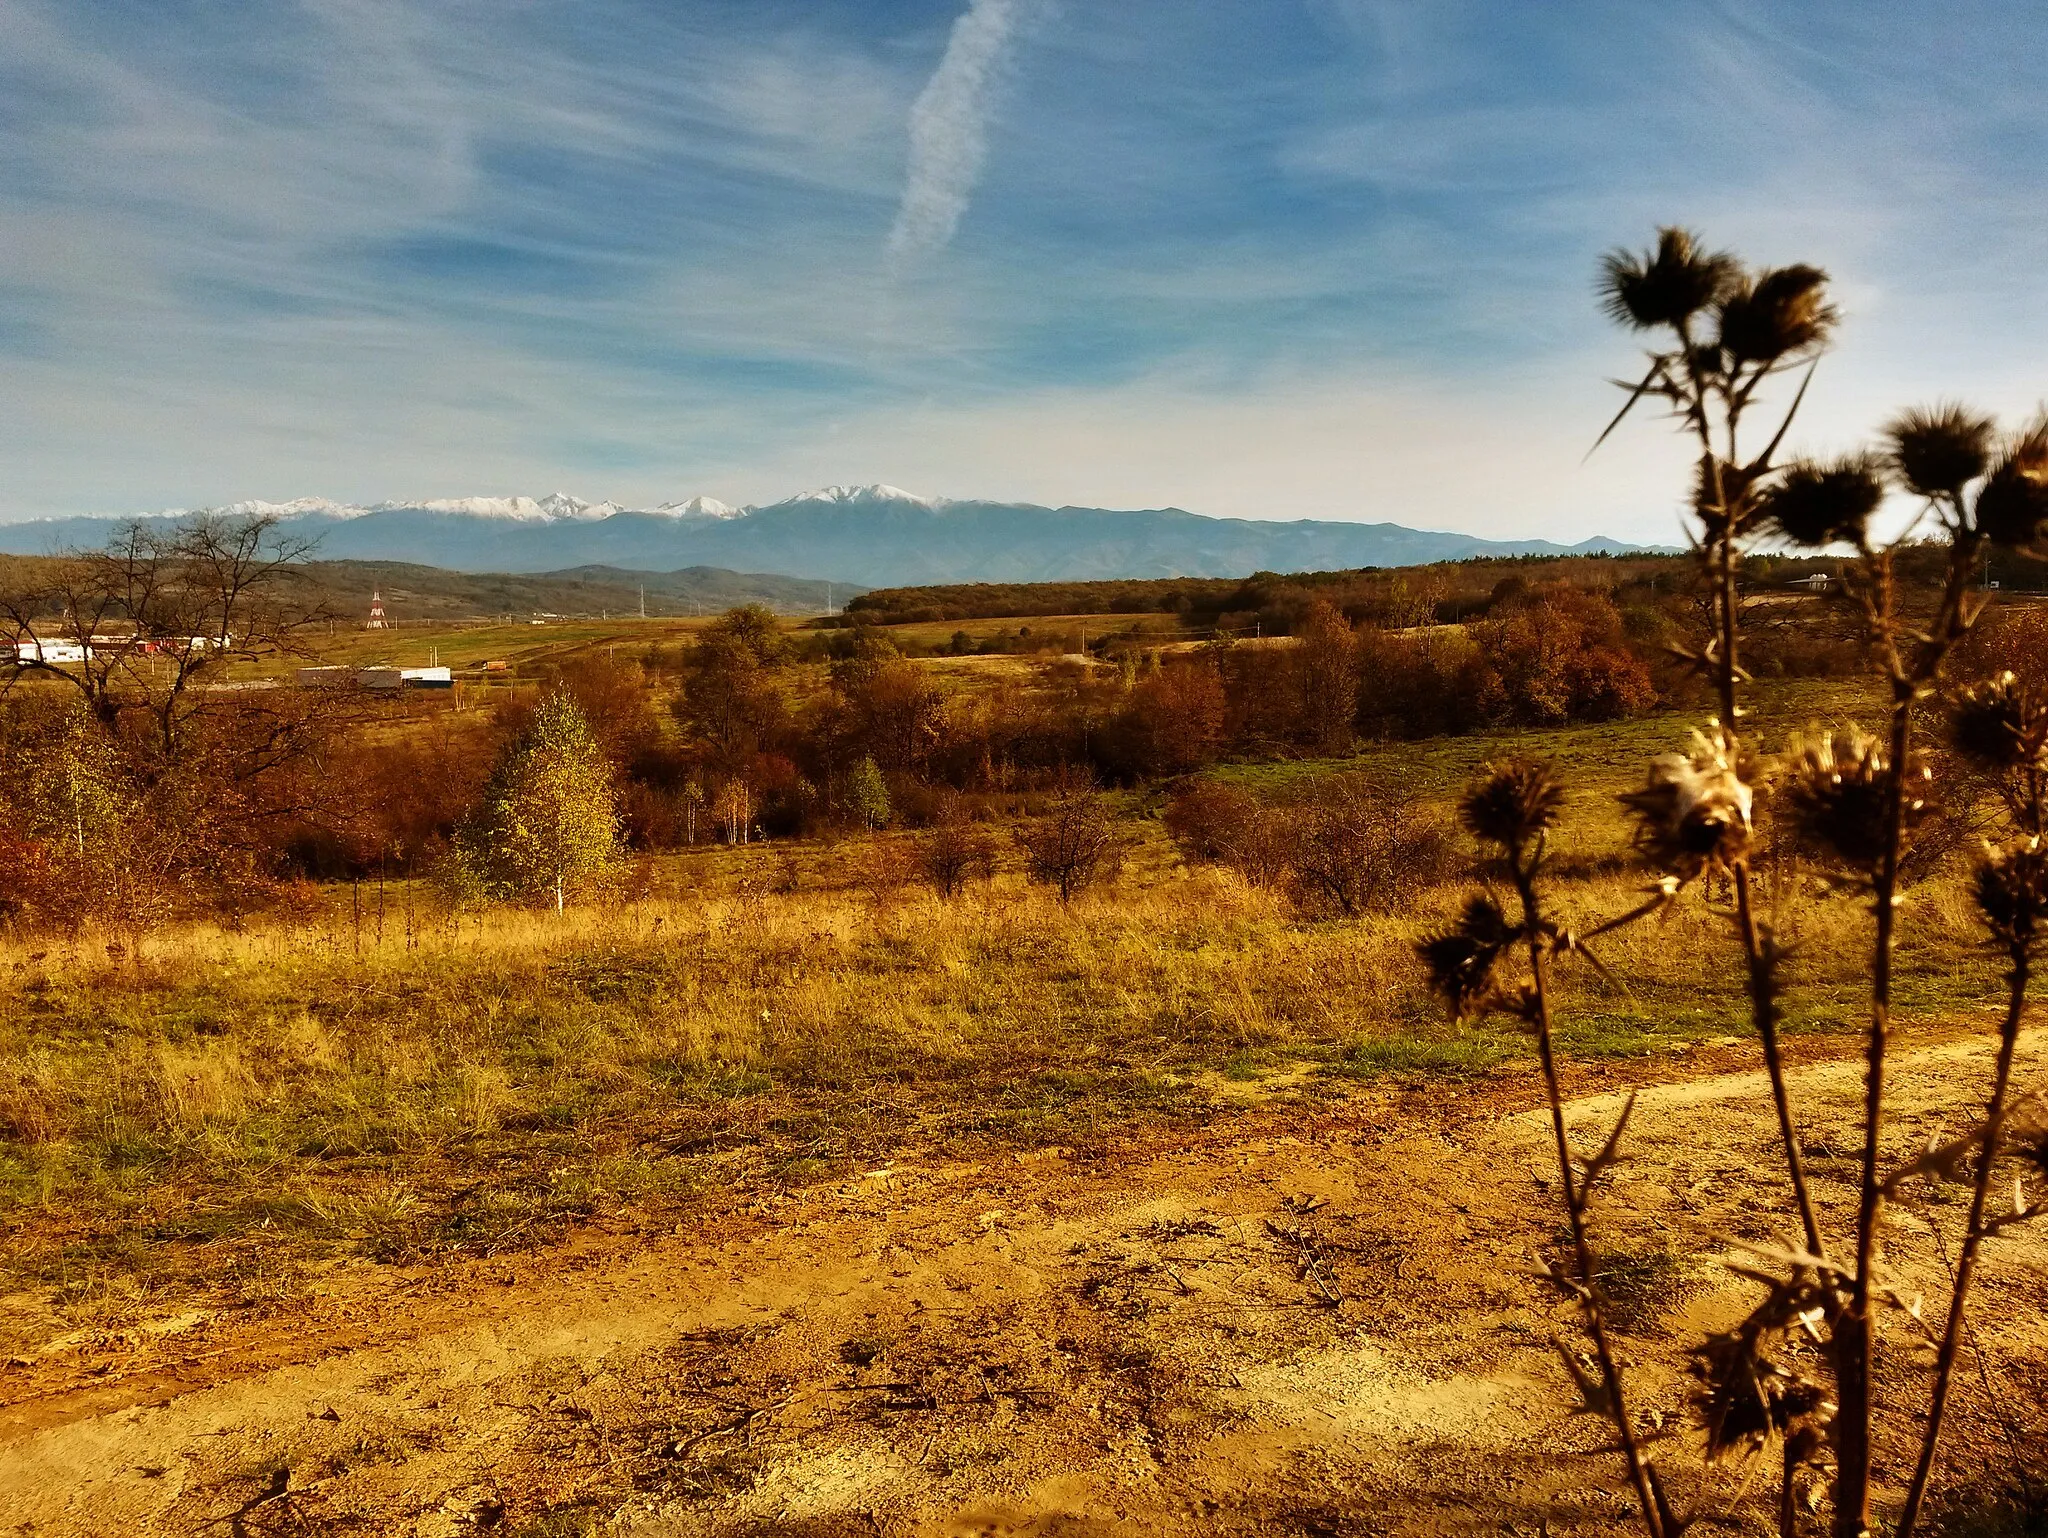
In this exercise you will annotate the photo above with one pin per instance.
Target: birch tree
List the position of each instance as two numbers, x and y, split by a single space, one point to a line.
550 815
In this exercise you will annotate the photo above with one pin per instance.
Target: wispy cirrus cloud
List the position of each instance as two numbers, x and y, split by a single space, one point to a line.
1284 259
949 127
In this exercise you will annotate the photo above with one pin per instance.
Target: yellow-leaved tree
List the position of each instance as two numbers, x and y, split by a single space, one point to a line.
549 815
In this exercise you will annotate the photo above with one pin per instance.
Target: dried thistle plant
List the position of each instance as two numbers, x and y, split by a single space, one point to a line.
1694 815
1511 809
1841 796
2003 726
1801 1371
1464 960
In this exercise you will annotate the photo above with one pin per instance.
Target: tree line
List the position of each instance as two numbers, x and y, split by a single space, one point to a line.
151 778
1273 603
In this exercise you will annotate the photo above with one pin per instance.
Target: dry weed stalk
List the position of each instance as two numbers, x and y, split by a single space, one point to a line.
1510 811
1726 332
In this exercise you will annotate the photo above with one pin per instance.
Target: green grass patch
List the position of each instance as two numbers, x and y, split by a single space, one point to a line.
1468 1054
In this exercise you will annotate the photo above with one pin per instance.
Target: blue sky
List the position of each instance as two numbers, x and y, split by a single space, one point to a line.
1268 258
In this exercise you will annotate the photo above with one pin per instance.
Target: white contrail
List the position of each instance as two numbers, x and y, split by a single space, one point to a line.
948 129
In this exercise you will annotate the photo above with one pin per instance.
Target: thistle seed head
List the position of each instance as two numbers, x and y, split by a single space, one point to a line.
1935 451
1749 1396
1783 311
1512 803
1464 959
1693 815
2012 891
1825 504
1998 723
1668 285
2012 505
1836 789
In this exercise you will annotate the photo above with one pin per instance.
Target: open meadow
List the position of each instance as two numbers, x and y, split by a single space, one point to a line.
1055 1073
1189 819
769 1190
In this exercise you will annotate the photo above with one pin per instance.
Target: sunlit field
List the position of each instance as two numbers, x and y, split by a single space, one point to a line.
212 1111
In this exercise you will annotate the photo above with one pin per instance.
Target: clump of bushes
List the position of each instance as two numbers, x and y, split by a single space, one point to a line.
1344 845
953 851
1074 845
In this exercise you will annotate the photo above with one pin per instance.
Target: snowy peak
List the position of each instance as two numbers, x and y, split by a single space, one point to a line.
298 507
856 495
557 506
522 509
698 507
874 535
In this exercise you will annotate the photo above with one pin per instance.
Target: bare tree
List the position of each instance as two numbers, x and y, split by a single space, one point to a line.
144 626
1358 846
1074 845
953 851
148 633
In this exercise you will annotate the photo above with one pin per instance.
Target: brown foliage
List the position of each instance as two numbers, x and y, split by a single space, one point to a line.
1074 845
1359 847
1213 823
1561 656
1173 721
1343 844
402 789
953 852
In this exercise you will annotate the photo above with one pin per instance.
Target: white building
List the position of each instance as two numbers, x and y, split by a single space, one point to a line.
53 652
380 680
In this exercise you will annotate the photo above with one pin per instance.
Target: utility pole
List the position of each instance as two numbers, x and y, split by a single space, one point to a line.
643 600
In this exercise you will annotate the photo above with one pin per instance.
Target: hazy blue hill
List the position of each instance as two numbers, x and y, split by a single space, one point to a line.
875 536
418 592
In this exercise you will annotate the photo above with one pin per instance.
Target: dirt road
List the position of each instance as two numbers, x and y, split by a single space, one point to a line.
1323 1333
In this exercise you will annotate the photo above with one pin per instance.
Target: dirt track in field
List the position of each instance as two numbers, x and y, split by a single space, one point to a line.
1329 1333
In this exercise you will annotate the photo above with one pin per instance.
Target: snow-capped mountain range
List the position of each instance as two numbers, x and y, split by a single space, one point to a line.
555 507
875 535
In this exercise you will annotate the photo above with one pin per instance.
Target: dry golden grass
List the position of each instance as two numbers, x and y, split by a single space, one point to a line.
220 1108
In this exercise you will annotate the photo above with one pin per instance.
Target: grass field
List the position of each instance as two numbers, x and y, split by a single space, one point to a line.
218 1111
768 1188
460 645
1068 630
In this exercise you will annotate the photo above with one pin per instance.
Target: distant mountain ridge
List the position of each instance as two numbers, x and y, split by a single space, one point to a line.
873 535
413 592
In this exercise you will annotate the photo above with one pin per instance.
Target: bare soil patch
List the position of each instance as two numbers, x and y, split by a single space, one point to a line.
1331 1328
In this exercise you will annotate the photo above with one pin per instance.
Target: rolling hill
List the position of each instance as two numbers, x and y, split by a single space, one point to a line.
870 535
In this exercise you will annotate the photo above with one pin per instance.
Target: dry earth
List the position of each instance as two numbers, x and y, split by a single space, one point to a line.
1326 1332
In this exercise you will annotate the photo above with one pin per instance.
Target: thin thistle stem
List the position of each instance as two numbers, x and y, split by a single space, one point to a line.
1855 1338
1721 557
1576 1195
1973 1236
1764 1011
